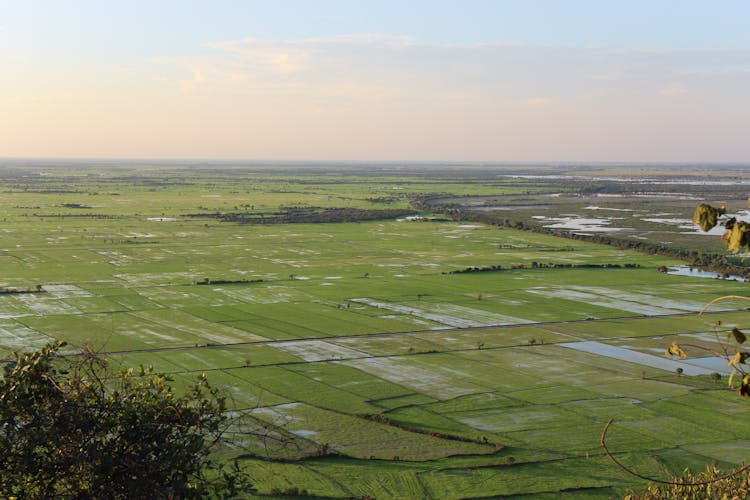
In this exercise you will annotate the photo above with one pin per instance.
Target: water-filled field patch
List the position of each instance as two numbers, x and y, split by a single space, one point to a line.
631 356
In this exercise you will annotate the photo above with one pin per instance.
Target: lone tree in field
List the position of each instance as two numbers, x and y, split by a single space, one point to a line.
71 428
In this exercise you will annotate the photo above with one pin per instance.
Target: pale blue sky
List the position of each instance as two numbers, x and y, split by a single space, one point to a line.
420 80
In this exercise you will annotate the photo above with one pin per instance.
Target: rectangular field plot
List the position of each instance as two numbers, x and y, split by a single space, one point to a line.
214 357
12 308
45 306
361 438
17 337
733 451
157 279
602 409
646 390
479 401
271 329
216 313
94 304
588 296
208 332
445 314
531 417
617 353
409 399
533 308
317 350
66 291
579 478
296 386
172 296
493 338
317 320
388 345
134 302
555 394
374 389
276 476
678 432
112 332
428 421
426 378
241 393
635 327
94 330
586 438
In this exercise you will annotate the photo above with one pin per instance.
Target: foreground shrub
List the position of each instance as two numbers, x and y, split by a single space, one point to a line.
69 427
712 483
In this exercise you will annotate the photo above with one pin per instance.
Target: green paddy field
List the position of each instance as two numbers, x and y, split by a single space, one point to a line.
357 363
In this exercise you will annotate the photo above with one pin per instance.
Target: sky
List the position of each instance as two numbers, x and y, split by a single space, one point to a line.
377 80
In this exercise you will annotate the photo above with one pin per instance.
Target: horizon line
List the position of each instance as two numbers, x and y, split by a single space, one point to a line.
368 161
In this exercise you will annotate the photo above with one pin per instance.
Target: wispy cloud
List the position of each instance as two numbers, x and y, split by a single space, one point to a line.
384 96
501 71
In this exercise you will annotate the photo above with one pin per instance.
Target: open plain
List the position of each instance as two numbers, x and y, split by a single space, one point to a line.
373 341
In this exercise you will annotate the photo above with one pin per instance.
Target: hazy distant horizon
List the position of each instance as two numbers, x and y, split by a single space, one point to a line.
360 163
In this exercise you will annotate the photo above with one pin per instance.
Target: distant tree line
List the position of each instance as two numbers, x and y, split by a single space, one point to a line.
207 281
292 215
25 289
87 215
543 265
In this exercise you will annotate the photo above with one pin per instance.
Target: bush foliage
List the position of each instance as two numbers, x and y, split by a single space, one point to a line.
69 427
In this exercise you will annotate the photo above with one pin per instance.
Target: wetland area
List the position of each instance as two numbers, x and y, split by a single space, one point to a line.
399 331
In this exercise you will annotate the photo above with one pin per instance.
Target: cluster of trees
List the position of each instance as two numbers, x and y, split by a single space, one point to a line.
543 265
291 215
207 281
23 289
87 215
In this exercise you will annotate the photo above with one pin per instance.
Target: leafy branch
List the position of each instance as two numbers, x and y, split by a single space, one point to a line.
737 233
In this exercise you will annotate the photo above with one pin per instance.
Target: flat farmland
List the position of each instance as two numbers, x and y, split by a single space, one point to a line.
388 356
